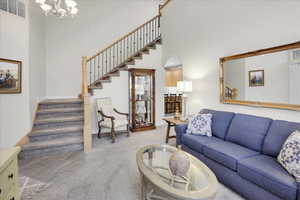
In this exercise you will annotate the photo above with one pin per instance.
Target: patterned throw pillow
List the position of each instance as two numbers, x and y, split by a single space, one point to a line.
200 124
289 156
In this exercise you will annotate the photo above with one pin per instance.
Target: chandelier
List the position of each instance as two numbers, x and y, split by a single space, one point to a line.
59 8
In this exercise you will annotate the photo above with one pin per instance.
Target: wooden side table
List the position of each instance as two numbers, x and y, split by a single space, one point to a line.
172 123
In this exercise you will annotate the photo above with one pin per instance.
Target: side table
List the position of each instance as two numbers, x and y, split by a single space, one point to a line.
172 123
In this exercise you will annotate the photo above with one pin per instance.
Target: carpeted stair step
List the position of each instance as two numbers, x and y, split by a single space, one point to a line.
59 112
55 133
48 147
57 122
60 103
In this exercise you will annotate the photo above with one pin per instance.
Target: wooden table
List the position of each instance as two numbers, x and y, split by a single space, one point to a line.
171 123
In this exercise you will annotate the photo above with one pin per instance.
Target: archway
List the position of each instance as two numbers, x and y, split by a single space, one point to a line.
173 74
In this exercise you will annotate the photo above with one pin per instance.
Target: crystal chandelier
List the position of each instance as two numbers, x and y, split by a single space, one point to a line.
60 8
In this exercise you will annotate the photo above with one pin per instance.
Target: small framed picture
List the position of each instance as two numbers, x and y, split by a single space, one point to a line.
10 76
256 78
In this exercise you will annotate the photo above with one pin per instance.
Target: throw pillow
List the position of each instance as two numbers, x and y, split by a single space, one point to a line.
200 124
289 156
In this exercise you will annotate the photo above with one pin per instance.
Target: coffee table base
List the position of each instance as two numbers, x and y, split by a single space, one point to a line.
150 192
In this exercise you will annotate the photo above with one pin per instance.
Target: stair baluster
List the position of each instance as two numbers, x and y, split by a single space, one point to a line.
122 52
143 38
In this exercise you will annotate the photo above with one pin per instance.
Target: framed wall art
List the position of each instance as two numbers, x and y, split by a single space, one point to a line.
256 78
10 76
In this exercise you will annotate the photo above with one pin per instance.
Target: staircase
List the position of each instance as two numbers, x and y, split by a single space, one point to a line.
64 125
110 61
57 128
122 53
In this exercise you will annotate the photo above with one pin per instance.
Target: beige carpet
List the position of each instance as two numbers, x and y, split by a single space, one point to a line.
29 188
109 172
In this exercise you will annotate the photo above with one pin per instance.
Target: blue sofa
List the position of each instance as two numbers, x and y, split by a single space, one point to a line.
242 153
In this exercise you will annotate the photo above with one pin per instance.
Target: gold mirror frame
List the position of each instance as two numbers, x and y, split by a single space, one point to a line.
295 45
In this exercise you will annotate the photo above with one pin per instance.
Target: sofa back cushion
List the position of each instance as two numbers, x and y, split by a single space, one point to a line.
248 131
277 134
220 122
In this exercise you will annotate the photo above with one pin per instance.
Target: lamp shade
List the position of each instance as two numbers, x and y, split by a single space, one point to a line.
184 86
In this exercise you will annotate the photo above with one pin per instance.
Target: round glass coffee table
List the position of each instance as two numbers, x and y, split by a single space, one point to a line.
200 183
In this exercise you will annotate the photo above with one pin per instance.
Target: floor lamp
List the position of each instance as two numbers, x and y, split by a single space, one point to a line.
184 87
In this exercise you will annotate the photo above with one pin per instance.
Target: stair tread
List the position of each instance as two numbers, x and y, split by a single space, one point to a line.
56 130
52 143
59 110
58 119
61 101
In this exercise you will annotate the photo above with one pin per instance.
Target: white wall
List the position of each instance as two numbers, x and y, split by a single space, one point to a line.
234 77
276 69
15 112
118 89
97 25
201 32
22 39
294 72
37 56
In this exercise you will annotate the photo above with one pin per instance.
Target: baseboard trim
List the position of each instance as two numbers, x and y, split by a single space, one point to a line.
95 132
22 141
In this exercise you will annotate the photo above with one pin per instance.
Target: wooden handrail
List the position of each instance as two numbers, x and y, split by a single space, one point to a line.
230 92
164 5
112 58
122 38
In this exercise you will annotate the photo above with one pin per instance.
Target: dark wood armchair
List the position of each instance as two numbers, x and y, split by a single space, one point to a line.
111 119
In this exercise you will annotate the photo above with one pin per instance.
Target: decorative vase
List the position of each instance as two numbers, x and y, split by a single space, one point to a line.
179 163
177 114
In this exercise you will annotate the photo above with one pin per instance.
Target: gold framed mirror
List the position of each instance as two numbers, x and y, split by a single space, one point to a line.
264 78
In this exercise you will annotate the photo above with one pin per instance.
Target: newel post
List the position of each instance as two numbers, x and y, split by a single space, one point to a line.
84 76
87 127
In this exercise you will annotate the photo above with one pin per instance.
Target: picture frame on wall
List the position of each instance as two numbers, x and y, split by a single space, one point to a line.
10 76
257 78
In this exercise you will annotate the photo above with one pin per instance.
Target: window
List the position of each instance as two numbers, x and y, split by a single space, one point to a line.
12 7
16 7
21 9
3 5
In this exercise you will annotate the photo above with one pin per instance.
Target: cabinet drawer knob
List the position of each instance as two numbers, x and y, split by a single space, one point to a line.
11 176
0 190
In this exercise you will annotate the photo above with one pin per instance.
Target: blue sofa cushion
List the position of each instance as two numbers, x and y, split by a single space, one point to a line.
196 142
277 134
267 173
248 131
227 153
220 122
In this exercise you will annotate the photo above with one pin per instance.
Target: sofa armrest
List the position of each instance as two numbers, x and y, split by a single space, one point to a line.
180 130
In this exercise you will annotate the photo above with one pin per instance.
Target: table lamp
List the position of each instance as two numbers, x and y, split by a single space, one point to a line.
184 87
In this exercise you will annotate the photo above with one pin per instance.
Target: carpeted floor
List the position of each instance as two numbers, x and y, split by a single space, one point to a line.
29 187
109 172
